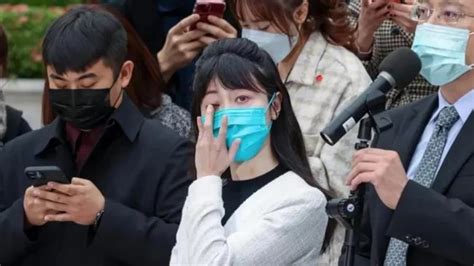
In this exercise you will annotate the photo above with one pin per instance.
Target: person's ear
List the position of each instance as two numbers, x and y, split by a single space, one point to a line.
301 13
470 50
276 106
126 73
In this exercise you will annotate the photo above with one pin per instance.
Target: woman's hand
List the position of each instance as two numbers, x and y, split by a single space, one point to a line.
212 156
372 15
181 47
216 29
401 14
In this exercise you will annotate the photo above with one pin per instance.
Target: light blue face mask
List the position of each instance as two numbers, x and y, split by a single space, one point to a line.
442 51
247 124
277 45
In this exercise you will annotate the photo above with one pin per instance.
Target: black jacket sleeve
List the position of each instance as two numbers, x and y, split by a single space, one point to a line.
435 220
138 239
14 242
16 125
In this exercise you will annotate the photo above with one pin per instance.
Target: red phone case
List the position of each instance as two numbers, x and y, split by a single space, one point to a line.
206 9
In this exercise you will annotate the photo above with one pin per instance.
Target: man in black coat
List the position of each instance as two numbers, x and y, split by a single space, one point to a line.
420 201
128 175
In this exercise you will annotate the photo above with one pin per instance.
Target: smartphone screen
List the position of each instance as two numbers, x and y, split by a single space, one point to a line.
204 9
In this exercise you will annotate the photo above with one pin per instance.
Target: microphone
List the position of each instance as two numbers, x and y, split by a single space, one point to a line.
398 69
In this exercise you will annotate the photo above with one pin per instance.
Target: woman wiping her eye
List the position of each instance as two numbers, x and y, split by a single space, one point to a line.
254 201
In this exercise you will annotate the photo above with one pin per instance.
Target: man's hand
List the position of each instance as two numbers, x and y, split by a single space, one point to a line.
78 202
383 169
36 209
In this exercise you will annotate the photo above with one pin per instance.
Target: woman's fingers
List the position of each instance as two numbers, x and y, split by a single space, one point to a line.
191 36
221 139
184 24
223 24
233 150
208 124
207 40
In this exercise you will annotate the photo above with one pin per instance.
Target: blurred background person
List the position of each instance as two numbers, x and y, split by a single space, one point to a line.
268 210
384 26
311 41
12 123
146 88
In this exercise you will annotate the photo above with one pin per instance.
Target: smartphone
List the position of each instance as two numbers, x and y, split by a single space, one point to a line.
204 9
41 175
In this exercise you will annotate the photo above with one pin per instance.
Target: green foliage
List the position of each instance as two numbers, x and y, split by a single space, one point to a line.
41 2
25 30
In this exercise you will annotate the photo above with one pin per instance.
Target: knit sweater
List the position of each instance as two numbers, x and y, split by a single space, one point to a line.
283 223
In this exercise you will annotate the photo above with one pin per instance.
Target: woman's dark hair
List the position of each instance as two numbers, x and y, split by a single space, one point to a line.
3 52
329 17
146 86
240 63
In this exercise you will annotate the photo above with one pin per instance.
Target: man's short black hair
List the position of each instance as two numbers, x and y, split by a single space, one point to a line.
82 37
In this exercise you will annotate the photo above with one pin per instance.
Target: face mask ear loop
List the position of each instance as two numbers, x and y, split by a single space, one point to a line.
271 101
471 34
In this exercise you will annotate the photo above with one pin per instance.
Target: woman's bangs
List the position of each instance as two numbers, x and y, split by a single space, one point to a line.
242 75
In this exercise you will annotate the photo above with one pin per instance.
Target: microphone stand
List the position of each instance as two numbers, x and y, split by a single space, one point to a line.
348 212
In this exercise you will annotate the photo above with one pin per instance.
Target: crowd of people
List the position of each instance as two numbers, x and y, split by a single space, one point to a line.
194 139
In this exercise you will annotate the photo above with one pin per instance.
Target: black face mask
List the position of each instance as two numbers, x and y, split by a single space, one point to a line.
84 108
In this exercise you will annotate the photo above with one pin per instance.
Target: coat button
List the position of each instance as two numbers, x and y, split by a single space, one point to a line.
395 31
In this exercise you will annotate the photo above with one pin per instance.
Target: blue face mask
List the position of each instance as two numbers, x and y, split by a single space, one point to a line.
247 124
277 45
442 51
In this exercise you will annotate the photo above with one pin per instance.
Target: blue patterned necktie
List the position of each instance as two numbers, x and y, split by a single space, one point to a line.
425 175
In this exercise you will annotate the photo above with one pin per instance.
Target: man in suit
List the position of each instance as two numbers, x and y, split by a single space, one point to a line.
420 201
128 175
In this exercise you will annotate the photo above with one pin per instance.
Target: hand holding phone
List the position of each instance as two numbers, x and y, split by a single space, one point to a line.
41 175
206 8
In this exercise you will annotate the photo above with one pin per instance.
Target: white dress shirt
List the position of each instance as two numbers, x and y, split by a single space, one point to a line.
464 107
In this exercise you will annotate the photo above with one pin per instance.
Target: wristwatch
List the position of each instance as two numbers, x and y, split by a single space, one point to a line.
98 217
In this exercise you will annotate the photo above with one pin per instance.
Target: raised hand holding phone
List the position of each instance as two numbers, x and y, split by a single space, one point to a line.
181 47
212 23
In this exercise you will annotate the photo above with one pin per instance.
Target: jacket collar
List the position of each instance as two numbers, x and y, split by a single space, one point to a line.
127 116
308 61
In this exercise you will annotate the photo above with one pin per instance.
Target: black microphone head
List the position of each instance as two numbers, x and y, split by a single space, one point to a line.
403 65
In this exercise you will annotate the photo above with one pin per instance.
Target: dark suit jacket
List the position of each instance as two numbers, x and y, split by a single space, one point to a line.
16 125
437 222
141 169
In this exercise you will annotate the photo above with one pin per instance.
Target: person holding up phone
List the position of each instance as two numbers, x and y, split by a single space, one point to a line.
384 26
127 175
190 36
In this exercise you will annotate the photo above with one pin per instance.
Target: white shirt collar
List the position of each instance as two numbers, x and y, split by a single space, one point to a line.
464 106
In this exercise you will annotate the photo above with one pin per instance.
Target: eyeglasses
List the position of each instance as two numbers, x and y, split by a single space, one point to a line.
449 14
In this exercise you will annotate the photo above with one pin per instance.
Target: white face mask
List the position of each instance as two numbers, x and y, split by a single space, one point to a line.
277 45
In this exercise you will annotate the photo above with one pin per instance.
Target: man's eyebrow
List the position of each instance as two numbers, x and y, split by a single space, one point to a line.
54 76
87 76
